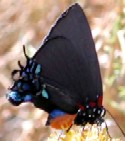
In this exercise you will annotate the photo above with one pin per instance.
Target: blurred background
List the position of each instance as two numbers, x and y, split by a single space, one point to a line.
27 22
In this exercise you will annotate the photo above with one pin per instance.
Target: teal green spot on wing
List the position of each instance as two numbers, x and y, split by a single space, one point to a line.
38 69
45 94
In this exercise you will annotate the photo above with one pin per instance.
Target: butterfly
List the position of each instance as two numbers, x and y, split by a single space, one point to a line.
63 77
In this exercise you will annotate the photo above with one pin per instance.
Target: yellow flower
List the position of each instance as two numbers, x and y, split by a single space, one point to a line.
80 133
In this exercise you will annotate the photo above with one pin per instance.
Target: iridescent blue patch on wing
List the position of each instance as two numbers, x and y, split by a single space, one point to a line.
45 94
28 98
56 113
25 87
15 96
38 69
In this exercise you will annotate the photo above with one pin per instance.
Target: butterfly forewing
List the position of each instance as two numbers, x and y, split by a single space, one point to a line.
69 60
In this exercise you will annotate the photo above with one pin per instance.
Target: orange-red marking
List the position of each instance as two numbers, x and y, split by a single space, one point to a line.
63 122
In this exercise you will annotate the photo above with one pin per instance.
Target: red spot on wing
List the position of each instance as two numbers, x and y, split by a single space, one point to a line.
81 107
92 104
62 122
100 101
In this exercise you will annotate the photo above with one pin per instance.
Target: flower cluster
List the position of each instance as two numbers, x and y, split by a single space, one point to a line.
80 133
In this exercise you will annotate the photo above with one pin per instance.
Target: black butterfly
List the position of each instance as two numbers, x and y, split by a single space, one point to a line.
63 77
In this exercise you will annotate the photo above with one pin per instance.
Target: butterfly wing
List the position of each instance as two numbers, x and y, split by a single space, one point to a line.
63 122
69 61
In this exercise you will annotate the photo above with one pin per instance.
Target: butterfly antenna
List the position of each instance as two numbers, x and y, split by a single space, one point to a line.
116 123
24 50
20 65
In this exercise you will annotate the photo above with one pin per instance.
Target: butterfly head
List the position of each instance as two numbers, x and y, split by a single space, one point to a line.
27 84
